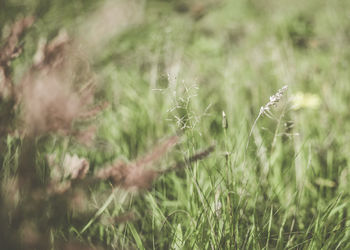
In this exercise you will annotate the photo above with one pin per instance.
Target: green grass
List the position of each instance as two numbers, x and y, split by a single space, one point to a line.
289 189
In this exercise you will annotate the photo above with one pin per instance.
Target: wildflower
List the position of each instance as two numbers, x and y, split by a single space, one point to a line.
305 100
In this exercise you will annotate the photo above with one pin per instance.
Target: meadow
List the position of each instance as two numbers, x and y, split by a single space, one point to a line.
173 124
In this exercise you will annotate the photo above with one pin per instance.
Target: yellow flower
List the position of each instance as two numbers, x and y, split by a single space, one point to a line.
305 100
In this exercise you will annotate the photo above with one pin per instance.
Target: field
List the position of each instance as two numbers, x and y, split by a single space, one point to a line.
164 124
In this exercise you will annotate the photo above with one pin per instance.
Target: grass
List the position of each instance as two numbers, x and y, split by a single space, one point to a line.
279 183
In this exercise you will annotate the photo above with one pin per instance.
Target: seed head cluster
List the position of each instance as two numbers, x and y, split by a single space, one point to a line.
274 99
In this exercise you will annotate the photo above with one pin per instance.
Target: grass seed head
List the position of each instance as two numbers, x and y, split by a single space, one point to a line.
274 99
